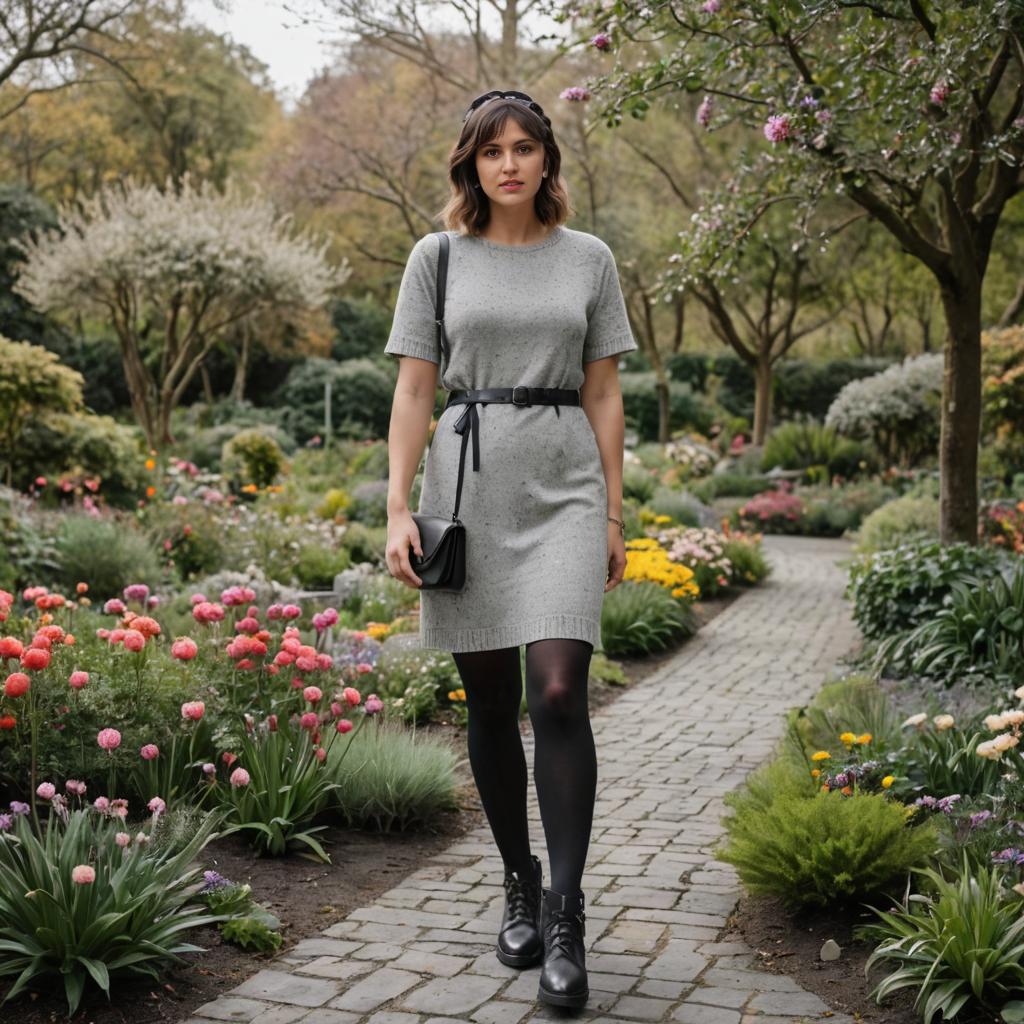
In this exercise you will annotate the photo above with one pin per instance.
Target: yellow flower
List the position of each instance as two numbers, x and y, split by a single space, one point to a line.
455 695
815 772
888 781
150 463
864 737
820 755
377 630
660 520
848 738
250 488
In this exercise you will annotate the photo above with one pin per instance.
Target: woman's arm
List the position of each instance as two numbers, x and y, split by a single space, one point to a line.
411 410
602 402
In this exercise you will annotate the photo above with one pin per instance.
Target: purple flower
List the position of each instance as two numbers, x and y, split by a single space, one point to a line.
842 779
214 880
939 93
808 101
711 6
602 41
575 93
17 807
976 820
6 821
946 803
823 116
1011 855
926 801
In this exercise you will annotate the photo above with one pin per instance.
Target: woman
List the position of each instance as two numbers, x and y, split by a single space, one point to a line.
534 306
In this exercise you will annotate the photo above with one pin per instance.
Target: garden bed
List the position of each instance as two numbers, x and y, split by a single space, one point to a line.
307 896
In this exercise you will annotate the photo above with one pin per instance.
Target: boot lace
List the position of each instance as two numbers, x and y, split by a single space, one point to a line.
565 933
519 893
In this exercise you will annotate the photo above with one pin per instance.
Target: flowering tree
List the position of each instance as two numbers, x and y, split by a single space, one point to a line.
911 109
173 272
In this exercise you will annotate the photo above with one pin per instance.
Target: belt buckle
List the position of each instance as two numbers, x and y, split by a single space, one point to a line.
521 387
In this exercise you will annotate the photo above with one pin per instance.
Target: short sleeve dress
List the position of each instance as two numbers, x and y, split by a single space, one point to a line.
535 511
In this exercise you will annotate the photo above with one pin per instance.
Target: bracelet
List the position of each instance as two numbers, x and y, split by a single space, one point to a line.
622 525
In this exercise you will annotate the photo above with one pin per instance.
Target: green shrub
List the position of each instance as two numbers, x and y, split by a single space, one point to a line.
640 616
106 554
749 565
370 503
960 947
414 679
729 485
855 704
818 850
640 405
898 589
128 921
317 566
335 503
393 778
361 393
252 457
908 518
364 543
945 762
194 533
833 511
980 630
683 507
818 450
638 483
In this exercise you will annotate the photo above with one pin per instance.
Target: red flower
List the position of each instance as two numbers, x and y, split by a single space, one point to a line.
16 685
10 647
35 659
8 722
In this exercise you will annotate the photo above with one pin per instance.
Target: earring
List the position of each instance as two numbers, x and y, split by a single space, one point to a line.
545 174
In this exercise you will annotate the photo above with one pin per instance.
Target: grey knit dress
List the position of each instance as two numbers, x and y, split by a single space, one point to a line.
536 510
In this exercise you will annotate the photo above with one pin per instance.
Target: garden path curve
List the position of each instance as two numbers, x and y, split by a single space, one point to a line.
657 901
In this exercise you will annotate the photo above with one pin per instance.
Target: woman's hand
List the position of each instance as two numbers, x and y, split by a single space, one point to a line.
616 557
403 534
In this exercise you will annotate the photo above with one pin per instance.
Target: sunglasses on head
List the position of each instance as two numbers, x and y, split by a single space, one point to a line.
495 94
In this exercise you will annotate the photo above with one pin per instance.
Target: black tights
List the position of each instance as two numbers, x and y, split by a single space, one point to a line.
564 762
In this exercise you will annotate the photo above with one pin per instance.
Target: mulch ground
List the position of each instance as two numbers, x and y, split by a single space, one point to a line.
307 896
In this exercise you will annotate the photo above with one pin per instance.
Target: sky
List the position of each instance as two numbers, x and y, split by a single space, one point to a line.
293 52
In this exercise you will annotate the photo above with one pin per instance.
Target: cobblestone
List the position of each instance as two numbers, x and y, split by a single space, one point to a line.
656 899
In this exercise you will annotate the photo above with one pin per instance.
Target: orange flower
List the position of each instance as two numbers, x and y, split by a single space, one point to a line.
150 463
150 491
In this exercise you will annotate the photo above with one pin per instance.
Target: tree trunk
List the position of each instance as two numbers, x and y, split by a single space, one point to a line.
961 416
661 387
762 398
241 367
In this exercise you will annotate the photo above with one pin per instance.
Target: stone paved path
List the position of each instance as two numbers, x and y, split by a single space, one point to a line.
657 901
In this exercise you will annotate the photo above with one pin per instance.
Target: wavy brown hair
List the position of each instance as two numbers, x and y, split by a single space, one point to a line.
468 209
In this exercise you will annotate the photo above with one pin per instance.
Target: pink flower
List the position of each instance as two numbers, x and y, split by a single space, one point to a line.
777 128
46 790
310 720
272 723
209 768
343 726
119 808
575 94
108 739
363 667
239 777
198 599
704 112
336 709
206 612
228 758
248 625
312 694
134 640
83 874
115 606
193 710
352 696
321 754
373 704
184 648
75 787
322 620
16 685
122 839
102 804
306 663
324 662
602 41
150 752
939 93
275 611
291 611
136 592
157 806
78 679
35 659
711 6
283 658
10 647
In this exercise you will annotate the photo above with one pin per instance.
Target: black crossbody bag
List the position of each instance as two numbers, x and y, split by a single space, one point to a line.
443 541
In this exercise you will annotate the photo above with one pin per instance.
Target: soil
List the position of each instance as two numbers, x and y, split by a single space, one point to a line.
306 895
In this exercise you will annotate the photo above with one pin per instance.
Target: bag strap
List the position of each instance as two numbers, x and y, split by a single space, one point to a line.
442 281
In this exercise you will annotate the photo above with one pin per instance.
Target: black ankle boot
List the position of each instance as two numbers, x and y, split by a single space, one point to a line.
519 941
563 979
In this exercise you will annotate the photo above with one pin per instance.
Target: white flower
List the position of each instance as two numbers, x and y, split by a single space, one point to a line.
995 722
943 722
1004 741
919 719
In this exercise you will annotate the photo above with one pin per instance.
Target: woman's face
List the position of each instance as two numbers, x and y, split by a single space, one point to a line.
512 156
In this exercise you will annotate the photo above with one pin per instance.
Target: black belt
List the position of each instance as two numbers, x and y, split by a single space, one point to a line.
518 395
